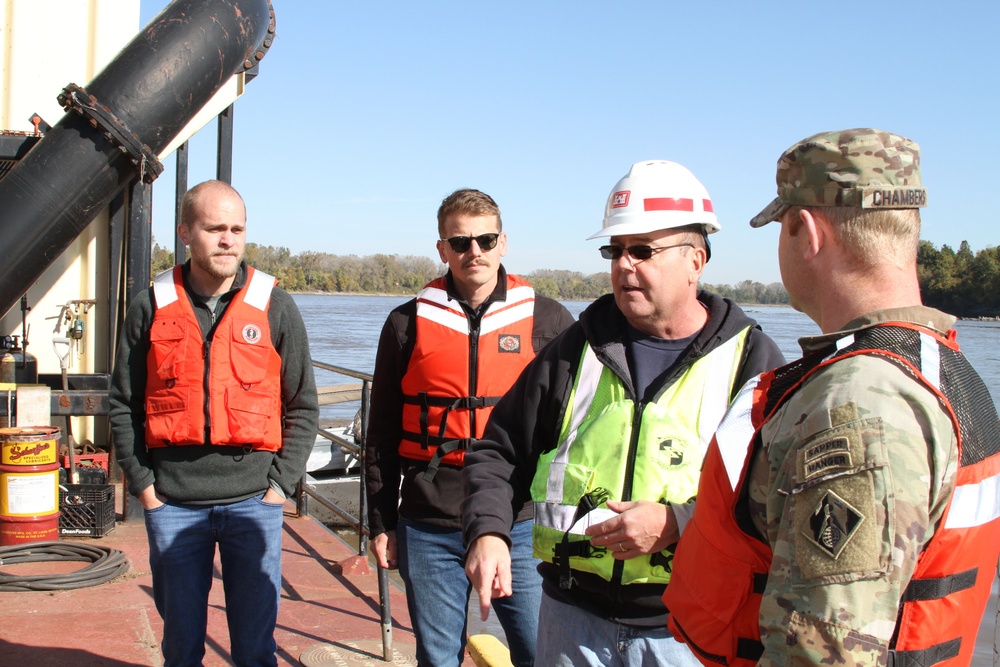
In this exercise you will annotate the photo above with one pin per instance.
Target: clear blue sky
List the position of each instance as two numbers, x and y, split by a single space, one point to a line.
366 114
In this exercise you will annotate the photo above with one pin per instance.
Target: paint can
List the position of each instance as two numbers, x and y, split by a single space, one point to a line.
29 484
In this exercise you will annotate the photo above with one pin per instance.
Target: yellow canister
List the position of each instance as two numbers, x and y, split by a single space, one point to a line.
29 446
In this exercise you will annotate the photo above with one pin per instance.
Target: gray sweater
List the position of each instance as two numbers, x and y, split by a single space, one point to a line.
206 474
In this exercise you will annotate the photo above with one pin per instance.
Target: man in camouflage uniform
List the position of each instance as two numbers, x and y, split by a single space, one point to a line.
862 512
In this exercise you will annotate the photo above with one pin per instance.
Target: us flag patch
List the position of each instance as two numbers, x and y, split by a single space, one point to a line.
510 343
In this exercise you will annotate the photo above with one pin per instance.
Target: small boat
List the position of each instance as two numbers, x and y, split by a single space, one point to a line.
329 457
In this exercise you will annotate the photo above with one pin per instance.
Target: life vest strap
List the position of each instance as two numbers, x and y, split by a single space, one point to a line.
935 589
462 402
449 403
434 441
578 548
665 558
442 450
749 649
926 657
566 550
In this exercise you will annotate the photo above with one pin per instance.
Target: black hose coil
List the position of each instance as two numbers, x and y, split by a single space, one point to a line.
105 565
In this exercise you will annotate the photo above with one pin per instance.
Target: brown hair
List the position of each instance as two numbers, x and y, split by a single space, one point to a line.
468 202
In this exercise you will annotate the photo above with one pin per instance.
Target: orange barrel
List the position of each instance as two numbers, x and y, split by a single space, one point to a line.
29 484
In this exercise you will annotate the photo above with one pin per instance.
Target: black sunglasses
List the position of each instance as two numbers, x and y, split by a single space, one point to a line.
639 252
463 243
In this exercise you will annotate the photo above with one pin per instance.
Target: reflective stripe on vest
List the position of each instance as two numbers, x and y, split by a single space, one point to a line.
599 436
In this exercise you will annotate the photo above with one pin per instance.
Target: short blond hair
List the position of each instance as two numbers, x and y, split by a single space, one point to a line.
874 236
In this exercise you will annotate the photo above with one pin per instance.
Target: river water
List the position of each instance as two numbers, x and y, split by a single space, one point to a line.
344 331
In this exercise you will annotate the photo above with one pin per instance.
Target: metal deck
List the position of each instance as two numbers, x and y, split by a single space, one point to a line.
329 611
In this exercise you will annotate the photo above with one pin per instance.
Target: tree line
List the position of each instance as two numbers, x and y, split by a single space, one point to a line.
962 283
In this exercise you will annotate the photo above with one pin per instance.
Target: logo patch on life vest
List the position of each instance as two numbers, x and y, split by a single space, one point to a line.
833 523
509 343
675 454
251 334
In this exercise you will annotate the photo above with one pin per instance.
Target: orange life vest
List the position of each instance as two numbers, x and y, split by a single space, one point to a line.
236 399
460 368
717 614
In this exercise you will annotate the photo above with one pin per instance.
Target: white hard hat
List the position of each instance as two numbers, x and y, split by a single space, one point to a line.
655 195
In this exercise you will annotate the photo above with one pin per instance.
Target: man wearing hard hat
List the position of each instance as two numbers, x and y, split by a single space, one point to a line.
606 429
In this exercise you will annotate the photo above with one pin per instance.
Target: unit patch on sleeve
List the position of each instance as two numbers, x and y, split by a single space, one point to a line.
836 526
509 343
833 523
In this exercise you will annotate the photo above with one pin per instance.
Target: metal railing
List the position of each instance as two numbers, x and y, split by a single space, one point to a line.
358 523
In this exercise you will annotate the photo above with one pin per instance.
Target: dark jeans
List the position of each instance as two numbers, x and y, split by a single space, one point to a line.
182 540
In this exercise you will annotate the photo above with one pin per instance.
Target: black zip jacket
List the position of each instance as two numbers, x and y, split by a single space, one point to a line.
500 467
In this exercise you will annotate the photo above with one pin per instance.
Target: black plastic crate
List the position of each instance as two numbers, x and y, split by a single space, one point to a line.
87 476
86 510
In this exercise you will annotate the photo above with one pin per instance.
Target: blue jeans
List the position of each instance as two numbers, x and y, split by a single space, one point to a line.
569 637
182 541
432 565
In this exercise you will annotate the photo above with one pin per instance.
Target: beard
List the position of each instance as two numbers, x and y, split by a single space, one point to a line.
220 270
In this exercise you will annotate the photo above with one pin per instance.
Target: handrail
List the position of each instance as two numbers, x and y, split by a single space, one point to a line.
367 377
360 524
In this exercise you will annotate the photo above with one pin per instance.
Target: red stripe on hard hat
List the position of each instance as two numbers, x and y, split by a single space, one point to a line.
706 205
668 204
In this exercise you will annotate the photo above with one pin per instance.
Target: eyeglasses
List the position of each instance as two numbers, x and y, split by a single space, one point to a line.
639 252
463 243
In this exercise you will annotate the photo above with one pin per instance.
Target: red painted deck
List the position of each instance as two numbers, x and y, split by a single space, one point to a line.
329 609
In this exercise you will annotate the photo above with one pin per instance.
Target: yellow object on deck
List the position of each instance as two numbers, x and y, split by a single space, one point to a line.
488 651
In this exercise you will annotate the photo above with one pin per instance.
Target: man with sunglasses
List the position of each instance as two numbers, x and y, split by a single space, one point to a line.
606 429
444 360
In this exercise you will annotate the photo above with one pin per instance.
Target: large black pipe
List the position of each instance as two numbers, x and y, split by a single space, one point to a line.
151 90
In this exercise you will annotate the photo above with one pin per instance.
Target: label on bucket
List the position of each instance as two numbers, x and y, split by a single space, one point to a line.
28 495
29 453
30 446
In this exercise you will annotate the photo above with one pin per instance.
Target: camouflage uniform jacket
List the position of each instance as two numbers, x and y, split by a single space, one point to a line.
845 601
843 511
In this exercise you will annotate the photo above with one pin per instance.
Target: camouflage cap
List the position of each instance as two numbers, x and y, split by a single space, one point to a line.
862 168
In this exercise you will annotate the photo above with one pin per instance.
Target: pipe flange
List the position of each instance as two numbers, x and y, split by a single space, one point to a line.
76 98
261 51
